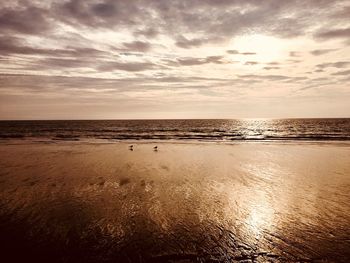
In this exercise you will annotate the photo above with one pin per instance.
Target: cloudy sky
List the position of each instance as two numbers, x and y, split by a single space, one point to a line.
117 59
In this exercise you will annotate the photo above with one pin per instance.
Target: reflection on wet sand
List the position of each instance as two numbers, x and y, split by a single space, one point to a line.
72 202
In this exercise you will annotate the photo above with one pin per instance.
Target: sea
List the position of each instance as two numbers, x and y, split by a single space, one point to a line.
218 130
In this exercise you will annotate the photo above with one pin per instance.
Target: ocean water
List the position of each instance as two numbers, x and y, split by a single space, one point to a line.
203 130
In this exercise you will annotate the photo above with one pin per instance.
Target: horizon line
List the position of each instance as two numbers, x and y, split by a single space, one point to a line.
136 119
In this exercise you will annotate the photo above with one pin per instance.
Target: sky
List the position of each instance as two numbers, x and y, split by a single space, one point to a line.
149 59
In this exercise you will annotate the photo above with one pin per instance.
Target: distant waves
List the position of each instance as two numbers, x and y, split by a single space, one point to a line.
199 130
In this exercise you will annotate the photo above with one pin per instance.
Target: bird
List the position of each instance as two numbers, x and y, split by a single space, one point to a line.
155 148
131 147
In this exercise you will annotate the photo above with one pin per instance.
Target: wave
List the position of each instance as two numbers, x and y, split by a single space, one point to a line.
208 130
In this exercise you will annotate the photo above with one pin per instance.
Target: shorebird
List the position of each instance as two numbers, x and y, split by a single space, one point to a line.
155 148
131 147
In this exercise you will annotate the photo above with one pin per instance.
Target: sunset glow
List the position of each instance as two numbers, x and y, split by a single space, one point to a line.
174 59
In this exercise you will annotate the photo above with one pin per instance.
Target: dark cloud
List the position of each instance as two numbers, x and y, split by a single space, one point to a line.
47 84
104 9
85 52
127 66
213 20
339 64
271 68
90 64
319 70
215 59
99 14
233 52
100 66
294 54
13 45
318 52
334 33
139 46
129 54
25 20
265 77
189 61
190 43
60 63
251 63
342 73
273 63
343 13
44 84
18 46
277 78
147 32
236 52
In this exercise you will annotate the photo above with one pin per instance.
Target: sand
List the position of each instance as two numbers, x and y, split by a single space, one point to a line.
186 202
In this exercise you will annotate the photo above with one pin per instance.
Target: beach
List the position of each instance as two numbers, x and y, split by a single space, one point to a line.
174 131
187 202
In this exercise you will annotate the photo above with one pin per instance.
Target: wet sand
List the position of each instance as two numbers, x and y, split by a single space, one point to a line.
204 202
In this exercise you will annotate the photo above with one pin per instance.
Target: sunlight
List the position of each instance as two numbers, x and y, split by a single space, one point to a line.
267 48
260 219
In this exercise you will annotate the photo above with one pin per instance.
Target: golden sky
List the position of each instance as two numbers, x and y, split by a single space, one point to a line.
108 59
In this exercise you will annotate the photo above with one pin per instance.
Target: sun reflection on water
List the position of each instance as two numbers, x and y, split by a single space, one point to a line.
256 200
256 128
260 219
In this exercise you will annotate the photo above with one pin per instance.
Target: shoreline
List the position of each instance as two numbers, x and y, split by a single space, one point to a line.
143 141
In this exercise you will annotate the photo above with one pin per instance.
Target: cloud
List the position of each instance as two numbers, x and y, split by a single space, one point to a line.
103 9
61 63
342 13
232 52
213 20
272 78
151 32
27 20
294 61
273 63
342 73
236 52
14 45
294 54
334 33
145 47
97 14
90 64
188 43
215 59
318 52
127 66
271 68
138 46
251 63
319 70
265 77
192 61
339 64
248 53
